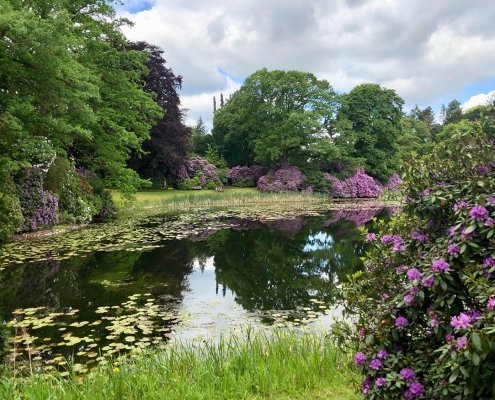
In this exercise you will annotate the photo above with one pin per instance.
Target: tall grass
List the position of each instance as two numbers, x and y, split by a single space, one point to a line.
285 365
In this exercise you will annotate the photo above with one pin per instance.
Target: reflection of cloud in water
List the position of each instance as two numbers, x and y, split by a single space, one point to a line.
320 241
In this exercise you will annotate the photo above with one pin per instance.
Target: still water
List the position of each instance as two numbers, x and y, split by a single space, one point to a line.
208 279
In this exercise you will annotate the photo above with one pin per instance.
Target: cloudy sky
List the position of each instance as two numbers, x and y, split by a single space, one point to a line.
429 51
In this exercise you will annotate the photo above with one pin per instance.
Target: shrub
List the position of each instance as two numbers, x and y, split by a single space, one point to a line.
285 179
197 171
11 219
424 308
39 206
244 176
393 182
358 185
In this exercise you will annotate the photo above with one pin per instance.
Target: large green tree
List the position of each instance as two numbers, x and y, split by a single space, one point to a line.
371 116
274 118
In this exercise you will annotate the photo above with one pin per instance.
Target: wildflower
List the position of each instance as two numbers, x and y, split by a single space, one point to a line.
382 354
462 321
462 343
408 374
453 249
479 213
401 322
413 274
415 390
360 358
440 265
381 382
376 364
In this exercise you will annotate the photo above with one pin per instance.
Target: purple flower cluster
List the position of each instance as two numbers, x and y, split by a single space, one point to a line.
360 358
479 213
440 265
462 321
285 179
358 185
461 204
401 323
393 182
419 236
201 168
39 206
246 176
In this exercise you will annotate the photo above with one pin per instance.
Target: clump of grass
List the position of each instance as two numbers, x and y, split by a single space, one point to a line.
284 365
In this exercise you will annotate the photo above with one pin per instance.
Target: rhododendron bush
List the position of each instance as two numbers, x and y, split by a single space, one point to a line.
285 179
198 172
358 185
244 176
423 311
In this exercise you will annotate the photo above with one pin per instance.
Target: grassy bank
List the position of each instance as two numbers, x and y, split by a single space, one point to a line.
284 366
179 199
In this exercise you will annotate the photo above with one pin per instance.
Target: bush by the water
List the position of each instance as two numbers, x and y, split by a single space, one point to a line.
424 309
358 185
244 176
285 179
198 173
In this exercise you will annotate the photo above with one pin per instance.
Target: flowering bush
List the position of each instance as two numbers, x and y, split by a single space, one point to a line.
424 308
39 206
358 185
198 170
393 182
246 176
285 179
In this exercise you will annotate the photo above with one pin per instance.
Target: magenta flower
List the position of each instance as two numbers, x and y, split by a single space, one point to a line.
376 364
413 274
434 322
370 237
462 343
479 213
382 354
490 201
490 305
408 299
460 205
415 390
453 249
387 239
440 265
489 262
419 236
401 322
360 358
407 374
381 382
452 230
366 386
462 321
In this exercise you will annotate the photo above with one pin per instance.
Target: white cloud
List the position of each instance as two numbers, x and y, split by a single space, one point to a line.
427 51
479 100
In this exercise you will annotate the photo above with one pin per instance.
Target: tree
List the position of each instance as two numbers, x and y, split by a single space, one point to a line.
273 118
169 138
374 116
200 138
452 113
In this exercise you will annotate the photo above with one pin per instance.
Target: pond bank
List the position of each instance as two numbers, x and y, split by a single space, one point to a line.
283 366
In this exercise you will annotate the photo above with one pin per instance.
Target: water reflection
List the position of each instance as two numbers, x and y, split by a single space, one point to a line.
251 273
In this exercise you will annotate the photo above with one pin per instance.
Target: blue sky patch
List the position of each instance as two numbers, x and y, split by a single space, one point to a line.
236 79
135 6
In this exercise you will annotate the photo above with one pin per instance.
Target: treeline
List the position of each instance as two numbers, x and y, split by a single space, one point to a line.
78 102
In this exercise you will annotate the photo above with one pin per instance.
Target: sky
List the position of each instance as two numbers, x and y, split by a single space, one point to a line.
428 51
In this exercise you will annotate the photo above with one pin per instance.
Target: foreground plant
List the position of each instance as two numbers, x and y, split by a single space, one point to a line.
425 306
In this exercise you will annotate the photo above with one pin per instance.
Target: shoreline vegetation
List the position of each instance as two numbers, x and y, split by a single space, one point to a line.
279 365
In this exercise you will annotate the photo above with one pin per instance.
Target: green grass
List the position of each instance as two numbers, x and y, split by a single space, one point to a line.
177 199
285 365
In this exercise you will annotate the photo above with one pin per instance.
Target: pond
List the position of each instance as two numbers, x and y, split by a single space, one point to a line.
124 287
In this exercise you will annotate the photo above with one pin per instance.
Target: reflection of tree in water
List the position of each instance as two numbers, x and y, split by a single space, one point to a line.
267 271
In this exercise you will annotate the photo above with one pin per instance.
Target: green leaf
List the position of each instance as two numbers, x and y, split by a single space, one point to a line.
476 359
475 338
470 229
454 376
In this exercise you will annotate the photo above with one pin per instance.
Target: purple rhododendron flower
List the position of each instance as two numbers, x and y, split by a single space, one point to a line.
489 262
462 343
370 237
413 274
408 374
380 382
382 354
415 390
452 230
358 185
401 322
387 239
479 213
490 201
419 236
462 321
434 322
408 299
360 358
453 249
460 205
376 364
428 281
490 305
440 265
366 386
